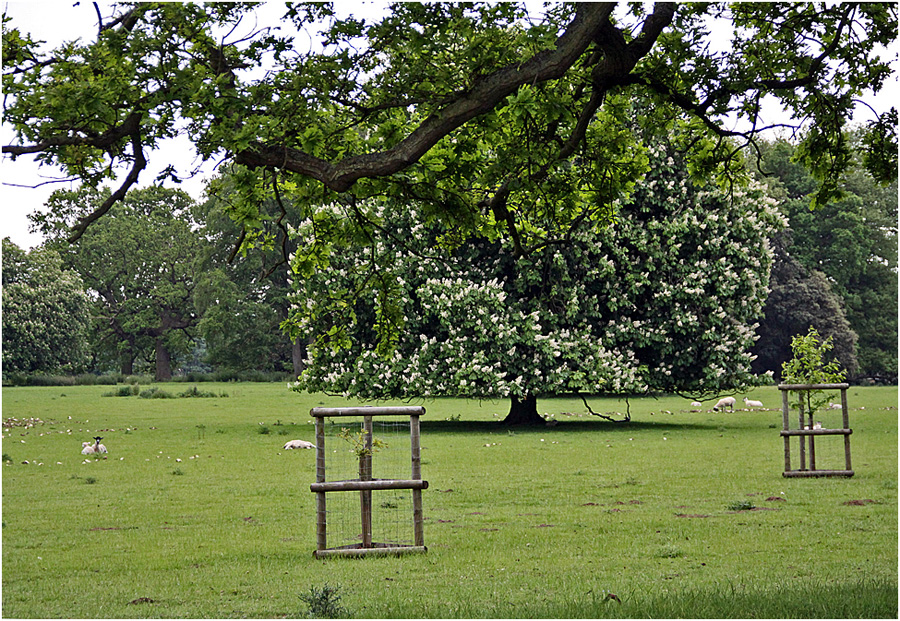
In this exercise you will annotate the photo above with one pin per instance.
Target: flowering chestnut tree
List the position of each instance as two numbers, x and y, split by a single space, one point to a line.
663 298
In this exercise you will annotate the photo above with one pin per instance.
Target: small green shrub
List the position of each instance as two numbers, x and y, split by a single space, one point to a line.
669 551
90 480
263 431
156 393
123 391
7 458
194 392
50 380
324 603
137 379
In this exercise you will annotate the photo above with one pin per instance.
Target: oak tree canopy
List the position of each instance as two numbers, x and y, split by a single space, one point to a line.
476 110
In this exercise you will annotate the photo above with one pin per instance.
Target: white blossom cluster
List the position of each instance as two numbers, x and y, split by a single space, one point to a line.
665 298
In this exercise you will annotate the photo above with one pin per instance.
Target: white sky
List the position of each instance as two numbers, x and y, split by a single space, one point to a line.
57 21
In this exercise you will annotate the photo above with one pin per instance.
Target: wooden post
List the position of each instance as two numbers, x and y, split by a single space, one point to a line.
846 422
365 474
802 437
812 441
321 514
418 519
785 416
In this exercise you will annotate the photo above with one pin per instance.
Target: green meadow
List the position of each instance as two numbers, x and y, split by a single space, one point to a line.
196 511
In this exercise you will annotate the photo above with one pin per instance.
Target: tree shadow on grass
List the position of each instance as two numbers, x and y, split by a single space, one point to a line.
587 426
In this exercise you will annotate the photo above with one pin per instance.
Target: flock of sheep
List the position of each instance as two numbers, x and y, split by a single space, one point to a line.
95 448
728 402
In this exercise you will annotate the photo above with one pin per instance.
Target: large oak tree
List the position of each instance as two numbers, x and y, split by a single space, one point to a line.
140 265
412 103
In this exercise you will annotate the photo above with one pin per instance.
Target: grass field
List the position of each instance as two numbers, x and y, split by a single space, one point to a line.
681 514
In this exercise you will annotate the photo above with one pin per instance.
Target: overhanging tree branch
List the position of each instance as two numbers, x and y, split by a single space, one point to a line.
139 163
486 93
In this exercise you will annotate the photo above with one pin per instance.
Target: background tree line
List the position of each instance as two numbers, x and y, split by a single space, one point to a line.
157 292
160 284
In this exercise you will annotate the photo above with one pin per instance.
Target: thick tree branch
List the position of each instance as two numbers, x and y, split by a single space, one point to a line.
139 164
105 141
486 93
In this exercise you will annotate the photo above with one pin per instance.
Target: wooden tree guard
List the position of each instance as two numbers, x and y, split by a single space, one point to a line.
806 430
365 485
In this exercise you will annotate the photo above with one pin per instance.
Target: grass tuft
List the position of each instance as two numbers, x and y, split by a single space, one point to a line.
740 505
324 603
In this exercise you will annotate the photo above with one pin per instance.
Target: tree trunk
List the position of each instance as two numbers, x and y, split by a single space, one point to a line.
163 361
524 412
297 355
126 360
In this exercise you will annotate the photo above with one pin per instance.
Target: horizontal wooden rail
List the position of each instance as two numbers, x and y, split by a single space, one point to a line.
817 473
813 386
359 486
817 432
378 551
368 411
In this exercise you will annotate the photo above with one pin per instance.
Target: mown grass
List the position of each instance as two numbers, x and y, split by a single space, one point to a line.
676 514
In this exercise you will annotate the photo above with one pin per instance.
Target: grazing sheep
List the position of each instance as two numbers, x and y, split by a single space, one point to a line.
752 404
299 444
723 403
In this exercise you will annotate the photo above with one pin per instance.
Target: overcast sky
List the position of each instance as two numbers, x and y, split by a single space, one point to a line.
58 21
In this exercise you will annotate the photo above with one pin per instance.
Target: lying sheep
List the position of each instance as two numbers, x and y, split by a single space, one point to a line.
299 444
723 403
91 449
752 404
696 404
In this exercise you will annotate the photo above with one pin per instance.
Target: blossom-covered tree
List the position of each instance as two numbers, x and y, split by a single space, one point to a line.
664 298
46 314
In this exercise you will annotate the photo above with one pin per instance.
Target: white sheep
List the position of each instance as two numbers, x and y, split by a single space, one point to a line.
299 444
835 406
752 404
90 449
696 404
723 403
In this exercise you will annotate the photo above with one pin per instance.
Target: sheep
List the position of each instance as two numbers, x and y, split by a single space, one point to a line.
299 444
752 404
723 403
835 406
90 449
696 404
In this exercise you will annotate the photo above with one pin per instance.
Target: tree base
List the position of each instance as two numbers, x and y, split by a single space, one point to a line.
524 412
